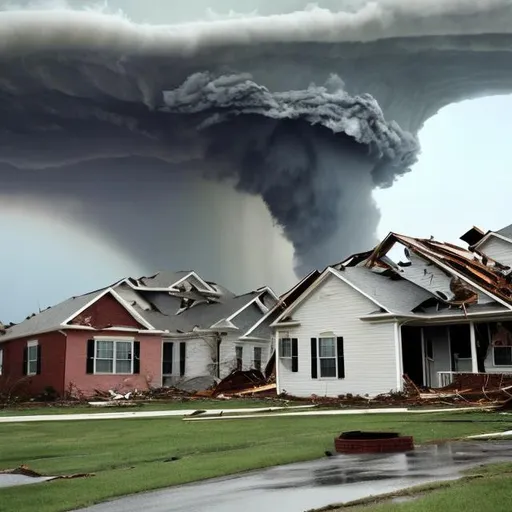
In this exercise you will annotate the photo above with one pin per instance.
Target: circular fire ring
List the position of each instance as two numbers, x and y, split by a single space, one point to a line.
372 442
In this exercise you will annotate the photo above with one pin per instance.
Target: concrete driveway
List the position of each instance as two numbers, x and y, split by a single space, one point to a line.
299 487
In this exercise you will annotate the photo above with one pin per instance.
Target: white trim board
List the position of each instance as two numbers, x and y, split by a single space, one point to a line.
129 309
323 277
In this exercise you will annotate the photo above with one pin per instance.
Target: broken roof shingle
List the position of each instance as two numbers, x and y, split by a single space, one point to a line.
482 272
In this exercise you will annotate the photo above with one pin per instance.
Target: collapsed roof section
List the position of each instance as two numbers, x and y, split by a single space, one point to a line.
447 273
167 303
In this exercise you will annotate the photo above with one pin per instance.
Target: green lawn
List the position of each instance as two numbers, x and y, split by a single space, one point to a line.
484 489
154 406
128 456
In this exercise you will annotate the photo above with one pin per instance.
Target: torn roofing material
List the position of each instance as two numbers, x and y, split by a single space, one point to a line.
201 316
164 310
473 236
466 272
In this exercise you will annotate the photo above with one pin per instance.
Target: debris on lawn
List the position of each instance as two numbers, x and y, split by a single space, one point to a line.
26 471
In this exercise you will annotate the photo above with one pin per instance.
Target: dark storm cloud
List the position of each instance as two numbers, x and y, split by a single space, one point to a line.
236 101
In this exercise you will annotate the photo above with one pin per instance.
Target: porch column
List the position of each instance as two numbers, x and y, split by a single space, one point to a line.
472 339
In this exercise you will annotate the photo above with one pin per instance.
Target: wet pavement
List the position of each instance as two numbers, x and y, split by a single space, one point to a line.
303 486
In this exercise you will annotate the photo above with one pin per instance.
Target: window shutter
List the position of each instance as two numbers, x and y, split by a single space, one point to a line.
25 360
136 357
295 355
314 361
341 358
38 361
183 355
90 357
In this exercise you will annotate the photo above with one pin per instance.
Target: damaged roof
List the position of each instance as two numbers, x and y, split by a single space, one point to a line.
468 274
192 307
436 280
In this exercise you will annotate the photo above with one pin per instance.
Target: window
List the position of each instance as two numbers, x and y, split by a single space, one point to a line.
113 357
285 348
32 357
239 357
257 358
502 356
327 357
167 358
1 361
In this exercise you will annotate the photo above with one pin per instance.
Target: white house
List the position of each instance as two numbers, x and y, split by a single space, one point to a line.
365 322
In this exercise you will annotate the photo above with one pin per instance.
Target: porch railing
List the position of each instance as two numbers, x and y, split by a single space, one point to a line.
446 378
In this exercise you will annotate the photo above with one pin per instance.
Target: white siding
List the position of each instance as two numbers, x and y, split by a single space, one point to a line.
370 358
228 354
198 357
498 250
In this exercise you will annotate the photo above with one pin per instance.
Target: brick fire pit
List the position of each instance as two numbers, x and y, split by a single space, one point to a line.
372 442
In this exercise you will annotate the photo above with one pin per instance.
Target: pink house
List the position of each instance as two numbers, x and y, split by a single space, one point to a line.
136 334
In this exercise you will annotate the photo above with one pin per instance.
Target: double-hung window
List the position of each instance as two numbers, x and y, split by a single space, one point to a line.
113 356
32 357
327 357
285 348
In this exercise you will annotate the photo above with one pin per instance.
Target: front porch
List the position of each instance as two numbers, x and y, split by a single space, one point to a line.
433 354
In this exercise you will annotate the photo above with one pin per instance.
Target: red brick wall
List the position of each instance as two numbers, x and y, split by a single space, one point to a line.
76 360
106 312
53 355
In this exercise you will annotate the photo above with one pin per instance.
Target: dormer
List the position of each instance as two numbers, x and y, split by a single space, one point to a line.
192 282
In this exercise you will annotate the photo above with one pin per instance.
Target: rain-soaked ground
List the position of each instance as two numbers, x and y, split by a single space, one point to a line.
299 487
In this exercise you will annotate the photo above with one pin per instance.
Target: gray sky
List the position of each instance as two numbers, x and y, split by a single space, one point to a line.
463 178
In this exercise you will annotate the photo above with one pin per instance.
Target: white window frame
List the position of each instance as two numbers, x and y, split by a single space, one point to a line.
115 341
319 358
281 348
254 357
1 361
31 345
494 357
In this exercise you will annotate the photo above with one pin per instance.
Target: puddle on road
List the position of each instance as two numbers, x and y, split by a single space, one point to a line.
315 484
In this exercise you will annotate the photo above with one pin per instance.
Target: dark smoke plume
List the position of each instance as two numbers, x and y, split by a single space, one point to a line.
145 125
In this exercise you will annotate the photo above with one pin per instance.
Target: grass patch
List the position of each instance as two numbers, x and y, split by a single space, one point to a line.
127 456
484 488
